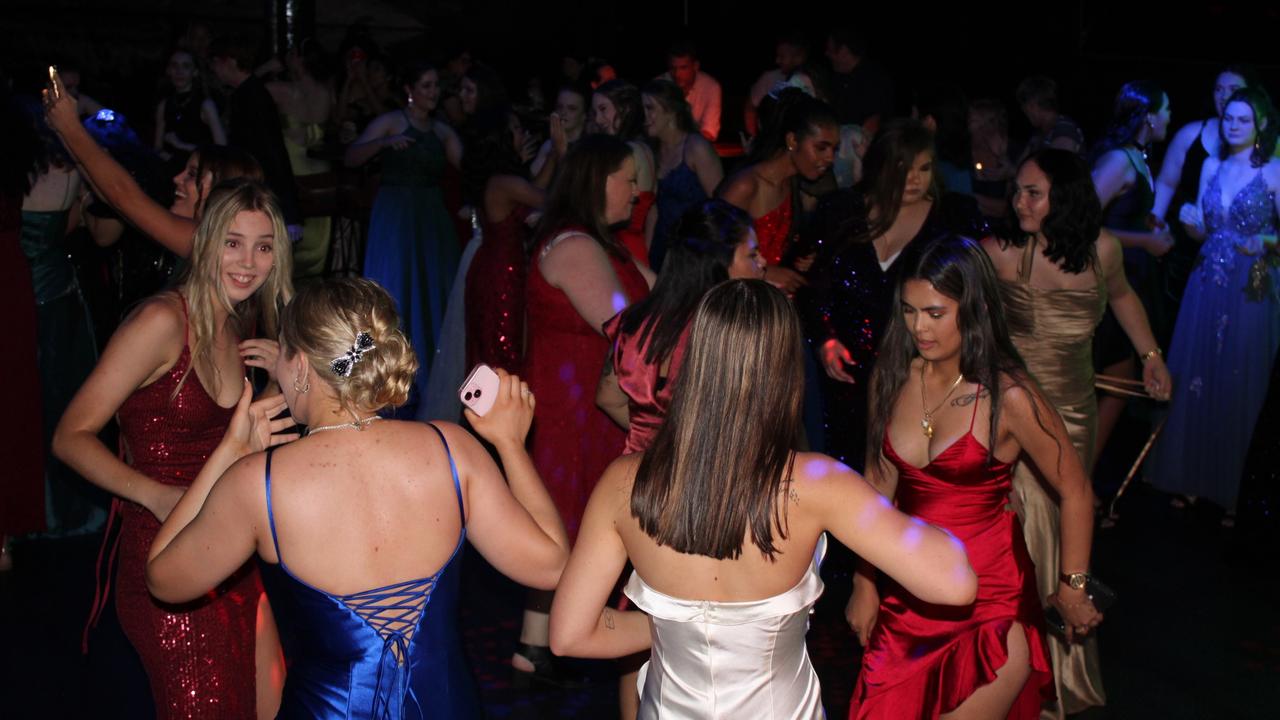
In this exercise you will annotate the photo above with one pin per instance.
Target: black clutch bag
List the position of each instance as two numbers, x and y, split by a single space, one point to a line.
1102 597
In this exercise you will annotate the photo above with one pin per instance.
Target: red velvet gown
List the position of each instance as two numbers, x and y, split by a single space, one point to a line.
494 299
923 660
648 392
572 439
772 231
199 656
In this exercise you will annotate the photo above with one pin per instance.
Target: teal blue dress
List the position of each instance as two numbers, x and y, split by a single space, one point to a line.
413 247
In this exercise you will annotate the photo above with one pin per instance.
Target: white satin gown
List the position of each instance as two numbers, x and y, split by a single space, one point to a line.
730 660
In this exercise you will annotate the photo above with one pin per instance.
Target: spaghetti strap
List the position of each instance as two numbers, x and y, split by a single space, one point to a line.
271 518
453 469
1025 262
972 418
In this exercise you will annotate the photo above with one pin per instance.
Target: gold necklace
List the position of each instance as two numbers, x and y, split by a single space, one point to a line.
926 423
358 424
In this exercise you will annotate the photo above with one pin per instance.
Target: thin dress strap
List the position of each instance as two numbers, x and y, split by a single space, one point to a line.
1024 263
453 469
271 518
977 395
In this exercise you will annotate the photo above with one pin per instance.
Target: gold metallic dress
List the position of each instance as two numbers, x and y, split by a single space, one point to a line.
1053 330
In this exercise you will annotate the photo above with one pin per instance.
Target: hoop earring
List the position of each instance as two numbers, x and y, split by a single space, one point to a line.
306 387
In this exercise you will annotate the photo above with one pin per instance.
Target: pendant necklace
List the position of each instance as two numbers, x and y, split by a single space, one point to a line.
358 424
926 423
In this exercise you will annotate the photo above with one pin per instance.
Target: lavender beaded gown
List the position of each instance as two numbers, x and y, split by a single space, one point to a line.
1223 347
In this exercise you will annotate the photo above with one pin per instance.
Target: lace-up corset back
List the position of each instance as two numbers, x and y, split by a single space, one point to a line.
388 652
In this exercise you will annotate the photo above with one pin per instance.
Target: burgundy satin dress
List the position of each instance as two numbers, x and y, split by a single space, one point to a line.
648 391
494 299
923 660
199 656
572 439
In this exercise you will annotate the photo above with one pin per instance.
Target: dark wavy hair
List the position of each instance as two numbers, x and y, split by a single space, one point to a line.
960 269
705 492
1264 123
705 240
1129 113
791 112
885 169
626 103
1075 215
671 98
577 196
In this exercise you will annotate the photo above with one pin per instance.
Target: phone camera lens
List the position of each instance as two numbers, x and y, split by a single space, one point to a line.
477 393
467 397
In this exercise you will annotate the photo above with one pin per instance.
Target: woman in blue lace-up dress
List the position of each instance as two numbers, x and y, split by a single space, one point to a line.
1228 329
358 525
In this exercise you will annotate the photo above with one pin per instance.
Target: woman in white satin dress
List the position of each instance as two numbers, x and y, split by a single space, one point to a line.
721 521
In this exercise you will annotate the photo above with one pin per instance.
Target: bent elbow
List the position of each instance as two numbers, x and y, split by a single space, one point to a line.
62 442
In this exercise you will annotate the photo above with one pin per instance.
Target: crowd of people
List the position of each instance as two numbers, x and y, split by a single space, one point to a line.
714 359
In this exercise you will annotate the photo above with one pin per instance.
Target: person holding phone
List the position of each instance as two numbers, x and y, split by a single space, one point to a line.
1228 330
359 525
723 522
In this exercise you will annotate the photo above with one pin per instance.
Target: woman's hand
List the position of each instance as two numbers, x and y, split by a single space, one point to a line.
1078 613
862 610
398 142
261 353
1158 242
508 421
785 279
559 140
1156 378
835 356
252 429
1190 216
60 107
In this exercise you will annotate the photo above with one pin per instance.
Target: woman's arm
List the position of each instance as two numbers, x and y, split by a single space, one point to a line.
926 561
380 134
113 183
1171 168
146 344
1112 175
610 398
1132 316
452 145
581 623
706 164
513 523
1040 433
580 267
209 114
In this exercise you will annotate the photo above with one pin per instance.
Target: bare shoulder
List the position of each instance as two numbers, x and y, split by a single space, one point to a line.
1020 398
1271 174
1107 247
1003 254
158 319
815 473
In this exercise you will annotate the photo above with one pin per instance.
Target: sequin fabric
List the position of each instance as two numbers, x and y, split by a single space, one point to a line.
773 230
199 656
494 299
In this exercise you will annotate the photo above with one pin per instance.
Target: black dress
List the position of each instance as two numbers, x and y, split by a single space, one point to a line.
850 298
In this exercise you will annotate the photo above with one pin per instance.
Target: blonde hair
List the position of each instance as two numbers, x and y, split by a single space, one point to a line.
323 321
202 278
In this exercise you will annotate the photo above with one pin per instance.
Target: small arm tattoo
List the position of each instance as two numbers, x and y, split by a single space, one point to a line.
608 618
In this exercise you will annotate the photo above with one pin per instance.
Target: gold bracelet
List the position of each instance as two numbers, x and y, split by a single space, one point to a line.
1152 354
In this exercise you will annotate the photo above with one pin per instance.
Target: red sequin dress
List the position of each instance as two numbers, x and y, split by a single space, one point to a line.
572 439
923 660
648 392
494 298
773 230
632 236
199 656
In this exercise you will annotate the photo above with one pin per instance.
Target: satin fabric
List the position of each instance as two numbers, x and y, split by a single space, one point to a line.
648 393
923 660
1053 331
729 660
341 666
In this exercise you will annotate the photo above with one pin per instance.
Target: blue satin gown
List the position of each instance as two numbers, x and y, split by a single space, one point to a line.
390 652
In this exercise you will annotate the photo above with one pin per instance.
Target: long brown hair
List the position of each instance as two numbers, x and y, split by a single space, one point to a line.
577 197
721 461
885 169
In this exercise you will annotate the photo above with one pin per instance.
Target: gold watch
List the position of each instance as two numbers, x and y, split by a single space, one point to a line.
1075 581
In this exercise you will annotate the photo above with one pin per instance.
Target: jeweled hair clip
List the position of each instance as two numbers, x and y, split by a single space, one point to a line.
345 363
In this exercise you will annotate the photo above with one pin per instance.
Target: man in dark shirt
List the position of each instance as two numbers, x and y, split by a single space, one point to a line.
254 124
861 93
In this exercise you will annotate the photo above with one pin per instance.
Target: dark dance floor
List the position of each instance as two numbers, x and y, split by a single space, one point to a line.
1196 633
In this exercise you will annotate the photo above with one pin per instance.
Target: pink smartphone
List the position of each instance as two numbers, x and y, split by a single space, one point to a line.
480 389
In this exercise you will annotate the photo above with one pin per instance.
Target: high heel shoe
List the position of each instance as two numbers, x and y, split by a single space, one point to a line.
546 669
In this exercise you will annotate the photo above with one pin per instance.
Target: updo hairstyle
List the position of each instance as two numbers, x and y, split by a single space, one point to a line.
323 321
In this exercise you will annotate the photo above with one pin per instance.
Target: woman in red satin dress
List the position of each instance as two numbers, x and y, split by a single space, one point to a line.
797 141
616 110
172 375
952 407
579 277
